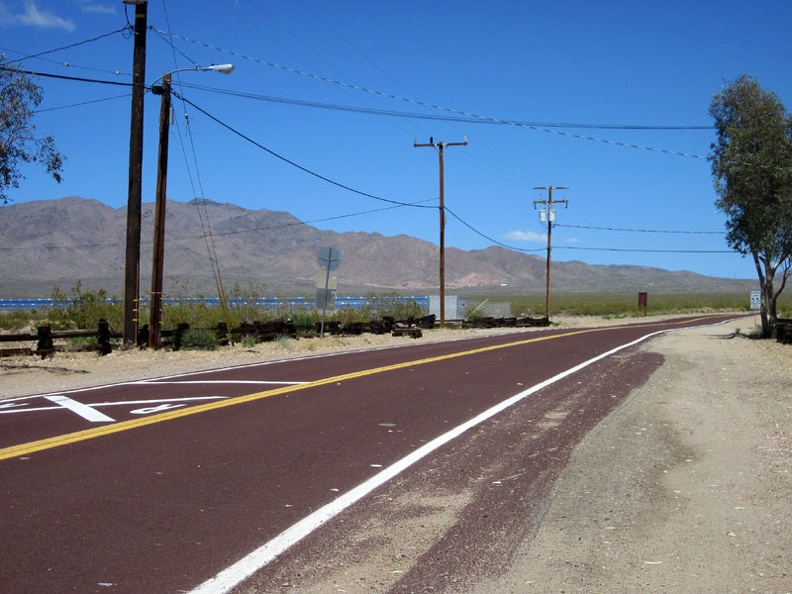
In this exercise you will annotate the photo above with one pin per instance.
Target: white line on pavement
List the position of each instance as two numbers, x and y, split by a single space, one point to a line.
85 411
229 578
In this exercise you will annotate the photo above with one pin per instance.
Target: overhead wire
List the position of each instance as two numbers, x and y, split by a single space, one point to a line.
432 116
458 115
641 250
542 128
73 45
293 163
639 230
203 212
369 195
81 103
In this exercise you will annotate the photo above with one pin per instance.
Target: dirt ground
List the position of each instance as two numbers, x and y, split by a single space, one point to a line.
686 487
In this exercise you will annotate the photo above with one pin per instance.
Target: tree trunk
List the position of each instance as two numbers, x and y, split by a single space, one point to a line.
765 273
769 306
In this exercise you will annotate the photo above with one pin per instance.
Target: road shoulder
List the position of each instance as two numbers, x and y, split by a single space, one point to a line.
684 488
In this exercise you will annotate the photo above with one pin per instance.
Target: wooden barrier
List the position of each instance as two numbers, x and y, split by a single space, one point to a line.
46 345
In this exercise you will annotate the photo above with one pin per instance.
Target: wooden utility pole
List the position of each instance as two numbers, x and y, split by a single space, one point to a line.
440 149
158 252
134 206
548 214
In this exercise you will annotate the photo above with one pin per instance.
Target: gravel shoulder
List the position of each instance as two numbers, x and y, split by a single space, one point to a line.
684 488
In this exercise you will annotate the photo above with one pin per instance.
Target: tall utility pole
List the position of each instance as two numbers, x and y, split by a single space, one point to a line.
134 207
158 252
440 149
548 214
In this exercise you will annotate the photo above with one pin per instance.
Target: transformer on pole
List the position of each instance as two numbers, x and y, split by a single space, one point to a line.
548 215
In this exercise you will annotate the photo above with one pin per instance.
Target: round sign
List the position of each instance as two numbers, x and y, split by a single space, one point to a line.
329 258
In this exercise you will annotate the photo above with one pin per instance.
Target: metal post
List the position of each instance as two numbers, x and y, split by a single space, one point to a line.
158 257
134 207
441 148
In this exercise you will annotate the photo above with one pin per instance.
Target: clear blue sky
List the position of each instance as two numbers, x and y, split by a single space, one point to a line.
337 88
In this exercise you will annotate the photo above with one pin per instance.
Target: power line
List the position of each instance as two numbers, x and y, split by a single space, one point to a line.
80 104
469 115
65 77
487 237
648 251
539 128
71 64
292 163
73 45
641 230
436 117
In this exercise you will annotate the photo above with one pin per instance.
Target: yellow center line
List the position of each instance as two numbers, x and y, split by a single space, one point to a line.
25 449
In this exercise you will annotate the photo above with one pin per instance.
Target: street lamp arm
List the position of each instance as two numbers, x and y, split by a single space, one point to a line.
221 68
158 257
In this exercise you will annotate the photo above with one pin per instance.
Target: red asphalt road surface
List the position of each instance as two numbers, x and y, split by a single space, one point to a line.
128 489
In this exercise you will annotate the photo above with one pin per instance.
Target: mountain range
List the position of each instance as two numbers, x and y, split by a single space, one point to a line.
52 243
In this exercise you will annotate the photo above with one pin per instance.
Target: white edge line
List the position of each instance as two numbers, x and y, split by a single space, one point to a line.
235 574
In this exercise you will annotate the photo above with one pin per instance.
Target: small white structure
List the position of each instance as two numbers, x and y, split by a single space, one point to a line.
455 306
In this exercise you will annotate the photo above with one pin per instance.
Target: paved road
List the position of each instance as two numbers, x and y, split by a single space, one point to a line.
161 485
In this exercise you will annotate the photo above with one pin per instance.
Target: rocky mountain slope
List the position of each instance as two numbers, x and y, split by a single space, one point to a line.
60 242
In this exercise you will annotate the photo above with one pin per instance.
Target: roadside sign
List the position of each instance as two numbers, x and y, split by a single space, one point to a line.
756 299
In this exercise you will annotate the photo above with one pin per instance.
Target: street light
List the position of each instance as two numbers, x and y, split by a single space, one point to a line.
158 257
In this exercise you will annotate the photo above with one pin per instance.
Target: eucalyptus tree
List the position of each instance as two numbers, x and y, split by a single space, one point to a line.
19 97
752 170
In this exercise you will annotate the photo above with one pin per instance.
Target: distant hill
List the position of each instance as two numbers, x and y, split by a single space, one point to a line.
60 242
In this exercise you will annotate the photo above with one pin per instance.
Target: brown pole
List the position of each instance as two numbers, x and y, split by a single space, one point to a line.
549 250
441 148
158 257
134 207
550 214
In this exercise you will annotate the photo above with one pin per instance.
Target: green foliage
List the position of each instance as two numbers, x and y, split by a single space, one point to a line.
19 97
304 318
17 319
285 342
83 309
751 167
382 305
248 310
752 170
474 312
199 339
195 313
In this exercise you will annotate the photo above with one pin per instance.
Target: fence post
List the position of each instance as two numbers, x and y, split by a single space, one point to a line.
178 335
104 338
45 346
